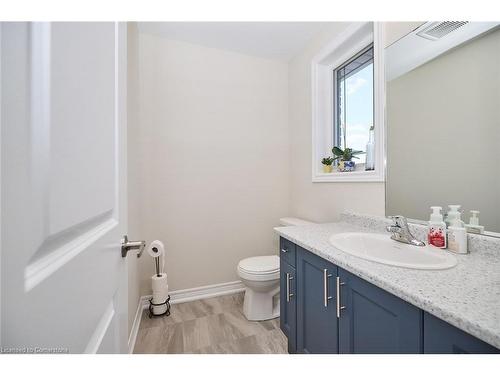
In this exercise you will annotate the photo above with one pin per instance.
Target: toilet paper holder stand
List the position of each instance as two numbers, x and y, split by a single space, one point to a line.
153 305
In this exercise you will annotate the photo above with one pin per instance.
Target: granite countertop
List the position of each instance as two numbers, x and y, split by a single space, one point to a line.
466 296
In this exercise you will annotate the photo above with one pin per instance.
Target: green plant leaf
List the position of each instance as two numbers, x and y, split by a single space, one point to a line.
327 161
347 154
337 151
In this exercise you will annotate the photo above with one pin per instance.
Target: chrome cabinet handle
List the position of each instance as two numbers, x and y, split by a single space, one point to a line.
326 297
284 250
288 294
132 245
339 308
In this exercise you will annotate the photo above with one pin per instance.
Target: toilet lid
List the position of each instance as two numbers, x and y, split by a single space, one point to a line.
264 264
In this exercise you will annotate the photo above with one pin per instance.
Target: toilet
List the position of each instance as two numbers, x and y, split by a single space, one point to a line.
261 277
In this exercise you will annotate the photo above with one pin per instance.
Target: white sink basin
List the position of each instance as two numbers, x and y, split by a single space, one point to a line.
382 249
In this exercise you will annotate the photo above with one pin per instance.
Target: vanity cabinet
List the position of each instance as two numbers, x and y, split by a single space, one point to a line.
375 321
365 319
317 324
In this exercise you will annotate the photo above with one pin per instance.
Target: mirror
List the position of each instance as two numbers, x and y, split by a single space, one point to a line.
443 121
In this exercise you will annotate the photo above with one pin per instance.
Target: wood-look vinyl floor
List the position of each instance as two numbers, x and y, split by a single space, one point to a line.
215 326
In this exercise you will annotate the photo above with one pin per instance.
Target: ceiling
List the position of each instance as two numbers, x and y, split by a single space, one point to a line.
273 40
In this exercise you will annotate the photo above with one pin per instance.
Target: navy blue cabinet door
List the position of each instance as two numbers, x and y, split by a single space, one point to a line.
317 324
375 321
288 304
443 338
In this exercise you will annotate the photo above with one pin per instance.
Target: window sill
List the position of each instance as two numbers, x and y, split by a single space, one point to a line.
355 176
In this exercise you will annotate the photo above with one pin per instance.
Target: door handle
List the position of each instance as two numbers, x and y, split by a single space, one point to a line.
339 308
288 294
132 245
284 250
326 297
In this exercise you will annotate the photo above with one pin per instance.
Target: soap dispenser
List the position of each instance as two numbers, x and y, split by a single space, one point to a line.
457 236
436 234
473 226
453 214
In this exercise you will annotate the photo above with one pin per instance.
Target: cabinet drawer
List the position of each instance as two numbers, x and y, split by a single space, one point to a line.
287 251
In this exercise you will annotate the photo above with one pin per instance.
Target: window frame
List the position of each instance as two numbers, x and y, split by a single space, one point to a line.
355 39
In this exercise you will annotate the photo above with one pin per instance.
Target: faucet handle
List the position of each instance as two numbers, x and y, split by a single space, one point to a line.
401 232
399 220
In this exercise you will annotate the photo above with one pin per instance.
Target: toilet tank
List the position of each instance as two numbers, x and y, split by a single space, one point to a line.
293 222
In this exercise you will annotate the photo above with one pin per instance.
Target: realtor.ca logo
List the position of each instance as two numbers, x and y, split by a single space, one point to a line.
33 350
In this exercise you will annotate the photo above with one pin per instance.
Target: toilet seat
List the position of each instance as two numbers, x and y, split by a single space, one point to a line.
260 268
258 276
261 264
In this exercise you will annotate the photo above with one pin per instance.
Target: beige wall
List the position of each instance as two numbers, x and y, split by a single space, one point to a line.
211 153
319 202
447 113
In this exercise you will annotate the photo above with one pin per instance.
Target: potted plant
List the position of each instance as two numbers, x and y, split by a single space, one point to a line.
327 164
346 164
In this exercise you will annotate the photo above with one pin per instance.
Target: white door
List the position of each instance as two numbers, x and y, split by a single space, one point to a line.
63 180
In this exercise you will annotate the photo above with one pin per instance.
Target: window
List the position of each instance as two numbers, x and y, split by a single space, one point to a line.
354 104
347 95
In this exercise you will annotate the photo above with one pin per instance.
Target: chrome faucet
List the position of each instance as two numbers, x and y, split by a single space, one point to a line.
401 232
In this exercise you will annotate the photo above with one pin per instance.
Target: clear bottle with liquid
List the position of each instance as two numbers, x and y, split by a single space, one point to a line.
370 150
473 226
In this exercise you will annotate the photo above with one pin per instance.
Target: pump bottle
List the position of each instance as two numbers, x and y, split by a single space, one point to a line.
436 234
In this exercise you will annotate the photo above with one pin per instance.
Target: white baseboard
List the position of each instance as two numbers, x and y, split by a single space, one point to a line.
202 292
184 295
135 327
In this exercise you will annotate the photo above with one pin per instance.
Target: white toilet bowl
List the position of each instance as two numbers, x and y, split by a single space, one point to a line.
261 276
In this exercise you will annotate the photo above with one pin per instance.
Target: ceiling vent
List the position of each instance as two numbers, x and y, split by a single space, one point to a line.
437 30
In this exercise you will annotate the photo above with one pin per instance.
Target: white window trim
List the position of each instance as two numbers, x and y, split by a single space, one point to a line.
356 37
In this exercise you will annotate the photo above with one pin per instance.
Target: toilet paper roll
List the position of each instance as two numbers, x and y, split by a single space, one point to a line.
161 295
156 248
160 292
157 299
159 282
157 251
158 310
